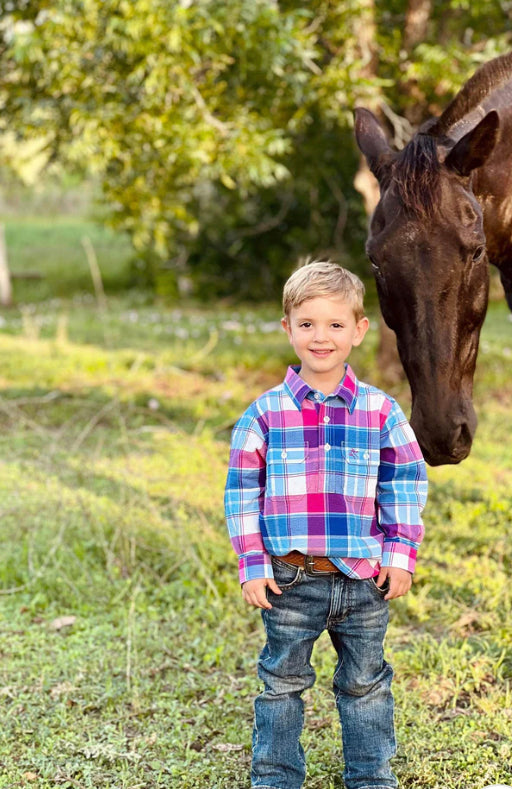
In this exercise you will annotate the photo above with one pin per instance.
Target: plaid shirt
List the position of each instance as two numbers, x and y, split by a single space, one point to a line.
339 476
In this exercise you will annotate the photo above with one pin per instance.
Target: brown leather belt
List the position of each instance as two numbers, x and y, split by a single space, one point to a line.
311 564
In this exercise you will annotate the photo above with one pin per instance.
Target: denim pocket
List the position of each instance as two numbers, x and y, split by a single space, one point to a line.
286 575
381 590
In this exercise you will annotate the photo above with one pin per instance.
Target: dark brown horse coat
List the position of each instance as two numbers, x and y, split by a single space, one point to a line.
445 212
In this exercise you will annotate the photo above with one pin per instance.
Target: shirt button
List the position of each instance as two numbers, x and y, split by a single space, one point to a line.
366 455
317 395
283 454
327 447
327 418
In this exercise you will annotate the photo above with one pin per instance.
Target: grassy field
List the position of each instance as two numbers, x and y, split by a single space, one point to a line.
55 249
128 658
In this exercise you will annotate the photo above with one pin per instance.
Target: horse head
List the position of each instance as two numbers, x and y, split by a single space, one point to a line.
427 248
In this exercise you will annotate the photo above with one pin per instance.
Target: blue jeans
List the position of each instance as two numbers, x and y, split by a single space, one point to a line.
355 615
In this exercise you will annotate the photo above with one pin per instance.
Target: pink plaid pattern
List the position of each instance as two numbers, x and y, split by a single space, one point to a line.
339 476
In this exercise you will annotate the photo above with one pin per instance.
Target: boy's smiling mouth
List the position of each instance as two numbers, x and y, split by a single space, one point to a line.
321 351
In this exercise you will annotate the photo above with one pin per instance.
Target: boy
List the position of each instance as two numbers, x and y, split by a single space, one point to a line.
324 495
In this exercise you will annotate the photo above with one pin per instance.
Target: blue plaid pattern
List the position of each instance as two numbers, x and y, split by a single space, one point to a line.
339 476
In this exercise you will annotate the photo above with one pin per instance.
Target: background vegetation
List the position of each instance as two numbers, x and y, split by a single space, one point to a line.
197 149
220 134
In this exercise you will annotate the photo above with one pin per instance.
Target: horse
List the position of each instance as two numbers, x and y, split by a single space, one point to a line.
444 214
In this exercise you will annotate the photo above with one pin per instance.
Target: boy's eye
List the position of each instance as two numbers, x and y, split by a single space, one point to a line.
337 325
305 325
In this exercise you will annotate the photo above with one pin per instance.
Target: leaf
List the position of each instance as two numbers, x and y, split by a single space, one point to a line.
62 621
61 689
227 181
226 747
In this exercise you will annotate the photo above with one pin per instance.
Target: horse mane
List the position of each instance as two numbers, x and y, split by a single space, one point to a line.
488 79
416 174
416 169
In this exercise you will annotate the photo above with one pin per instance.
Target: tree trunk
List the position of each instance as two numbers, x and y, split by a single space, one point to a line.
417 17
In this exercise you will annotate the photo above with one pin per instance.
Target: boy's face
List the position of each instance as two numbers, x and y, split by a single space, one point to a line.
323 331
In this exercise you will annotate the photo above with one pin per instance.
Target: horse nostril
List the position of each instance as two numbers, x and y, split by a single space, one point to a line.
461 440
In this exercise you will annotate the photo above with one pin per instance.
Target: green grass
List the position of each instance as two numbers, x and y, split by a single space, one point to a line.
53 248
114 442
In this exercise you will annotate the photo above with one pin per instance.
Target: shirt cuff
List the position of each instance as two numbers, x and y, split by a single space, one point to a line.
400 555
255 565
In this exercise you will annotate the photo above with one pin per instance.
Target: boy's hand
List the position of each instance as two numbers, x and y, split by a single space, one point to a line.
400 581
255 592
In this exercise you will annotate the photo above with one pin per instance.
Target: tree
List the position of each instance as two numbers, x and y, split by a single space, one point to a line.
221 132
212 126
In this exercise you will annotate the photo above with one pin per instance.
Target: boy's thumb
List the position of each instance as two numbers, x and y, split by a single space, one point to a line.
382 577
274 586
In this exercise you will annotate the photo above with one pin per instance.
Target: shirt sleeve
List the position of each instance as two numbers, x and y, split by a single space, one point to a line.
243 499
401 491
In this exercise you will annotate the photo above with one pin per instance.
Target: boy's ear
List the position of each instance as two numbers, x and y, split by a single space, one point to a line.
362 327
286 326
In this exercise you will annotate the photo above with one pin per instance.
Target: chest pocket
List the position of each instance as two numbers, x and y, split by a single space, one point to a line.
286 471
357 471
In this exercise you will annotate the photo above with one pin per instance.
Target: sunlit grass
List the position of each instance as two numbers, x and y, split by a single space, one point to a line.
114 437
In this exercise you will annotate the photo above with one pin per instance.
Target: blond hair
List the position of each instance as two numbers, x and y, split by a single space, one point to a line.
323 278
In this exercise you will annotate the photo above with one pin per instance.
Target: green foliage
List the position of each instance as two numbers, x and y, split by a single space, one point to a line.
460 37
221 132
128 658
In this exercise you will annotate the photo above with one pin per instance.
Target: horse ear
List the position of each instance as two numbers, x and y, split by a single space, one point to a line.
475 147
371 139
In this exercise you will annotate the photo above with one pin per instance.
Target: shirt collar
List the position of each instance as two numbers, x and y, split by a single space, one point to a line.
298 389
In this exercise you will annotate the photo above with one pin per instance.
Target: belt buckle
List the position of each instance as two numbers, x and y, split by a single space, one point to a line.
309 567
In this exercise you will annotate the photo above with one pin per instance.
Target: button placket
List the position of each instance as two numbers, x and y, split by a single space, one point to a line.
324 420
320 459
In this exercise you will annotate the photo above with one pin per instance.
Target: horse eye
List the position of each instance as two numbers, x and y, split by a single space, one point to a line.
478 254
